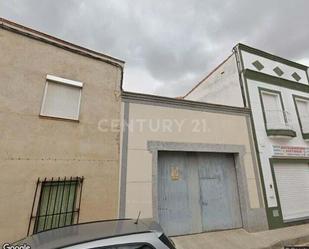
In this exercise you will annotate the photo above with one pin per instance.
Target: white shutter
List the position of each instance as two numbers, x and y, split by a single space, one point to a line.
293 187
273 111
303 110
61 100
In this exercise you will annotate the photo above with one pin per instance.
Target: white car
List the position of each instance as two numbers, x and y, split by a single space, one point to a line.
110 234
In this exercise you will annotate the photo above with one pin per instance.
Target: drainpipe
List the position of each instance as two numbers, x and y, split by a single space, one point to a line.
240 70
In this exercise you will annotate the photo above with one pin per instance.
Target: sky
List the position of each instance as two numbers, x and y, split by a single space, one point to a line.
169 45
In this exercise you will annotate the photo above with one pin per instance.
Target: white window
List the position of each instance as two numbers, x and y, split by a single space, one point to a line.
274 113
303 112
61 98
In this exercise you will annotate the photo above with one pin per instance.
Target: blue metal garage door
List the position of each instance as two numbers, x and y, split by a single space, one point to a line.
197 192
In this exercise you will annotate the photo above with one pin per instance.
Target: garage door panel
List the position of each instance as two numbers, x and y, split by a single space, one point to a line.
219 194
197 192
293 189
174 209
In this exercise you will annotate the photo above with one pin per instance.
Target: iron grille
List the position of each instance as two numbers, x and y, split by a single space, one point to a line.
57 205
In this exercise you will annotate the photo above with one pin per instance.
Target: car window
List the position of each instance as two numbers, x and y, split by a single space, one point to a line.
135 246
168 242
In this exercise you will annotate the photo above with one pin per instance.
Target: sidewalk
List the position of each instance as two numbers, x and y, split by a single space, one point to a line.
240 239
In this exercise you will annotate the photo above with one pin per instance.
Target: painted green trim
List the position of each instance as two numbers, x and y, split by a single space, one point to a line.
289 160
307 74
253 75
271 56
281 132
305 135
301 97
241 69
275 222
278 222
262 89
275 132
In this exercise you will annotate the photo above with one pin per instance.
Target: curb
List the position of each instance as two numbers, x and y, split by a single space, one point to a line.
296 241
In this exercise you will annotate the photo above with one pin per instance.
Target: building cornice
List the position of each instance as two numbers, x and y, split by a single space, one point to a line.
270 56
253 75
155 100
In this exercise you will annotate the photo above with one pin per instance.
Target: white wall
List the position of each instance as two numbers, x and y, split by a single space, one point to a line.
221 87
265 143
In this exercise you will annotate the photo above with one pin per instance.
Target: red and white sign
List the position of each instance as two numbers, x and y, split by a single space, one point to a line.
280 150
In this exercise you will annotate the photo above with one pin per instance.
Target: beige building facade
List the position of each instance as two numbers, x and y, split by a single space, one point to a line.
74 147
176 168
59 161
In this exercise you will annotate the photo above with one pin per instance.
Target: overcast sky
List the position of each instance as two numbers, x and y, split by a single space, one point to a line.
169 45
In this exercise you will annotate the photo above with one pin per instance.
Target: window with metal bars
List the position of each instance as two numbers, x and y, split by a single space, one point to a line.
57 205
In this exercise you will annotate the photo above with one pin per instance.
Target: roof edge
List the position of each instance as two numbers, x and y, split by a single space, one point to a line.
208 75
256 51
35 34
134 97
271 56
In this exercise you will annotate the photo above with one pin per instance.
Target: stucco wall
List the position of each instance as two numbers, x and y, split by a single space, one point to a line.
221 87
32 147
266 143
195 127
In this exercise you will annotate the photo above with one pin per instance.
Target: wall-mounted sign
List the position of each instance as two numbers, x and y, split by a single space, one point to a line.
175 173
296 151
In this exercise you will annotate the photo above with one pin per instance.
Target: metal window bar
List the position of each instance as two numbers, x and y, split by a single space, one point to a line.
56 203
67 204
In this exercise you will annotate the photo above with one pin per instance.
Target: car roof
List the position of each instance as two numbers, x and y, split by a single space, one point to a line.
86 232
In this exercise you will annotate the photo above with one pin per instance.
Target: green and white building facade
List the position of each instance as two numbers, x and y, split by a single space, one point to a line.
277 92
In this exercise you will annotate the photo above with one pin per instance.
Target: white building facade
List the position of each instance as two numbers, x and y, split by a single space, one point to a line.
277 92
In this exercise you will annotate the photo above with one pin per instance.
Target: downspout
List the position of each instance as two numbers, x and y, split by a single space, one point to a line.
247 104
123 151
240 70
121 79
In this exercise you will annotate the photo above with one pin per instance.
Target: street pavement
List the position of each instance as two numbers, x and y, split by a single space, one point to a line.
240 239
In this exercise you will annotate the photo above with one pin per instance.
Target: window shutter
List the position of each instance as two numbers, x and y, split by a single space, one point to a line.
303 110
61 101
273 111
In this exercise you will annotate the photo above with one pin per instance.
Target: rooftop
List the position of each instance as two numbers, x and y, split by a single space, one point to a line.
254 51
34 34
